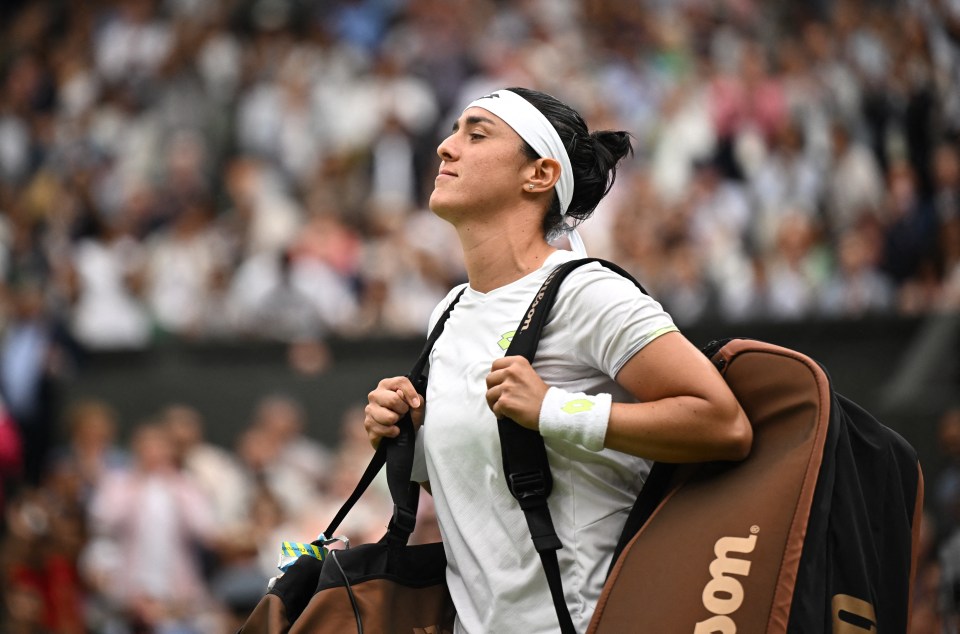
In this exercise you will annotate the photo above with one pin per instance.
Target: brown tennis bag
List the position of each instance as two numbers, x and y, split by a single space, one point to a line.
816 531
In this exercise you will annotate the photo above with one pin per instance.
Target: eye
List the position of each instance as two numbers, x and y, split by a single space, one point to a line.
476 136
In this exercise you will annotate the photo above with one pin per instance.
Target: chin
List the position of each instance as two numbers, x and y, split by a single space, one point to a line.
439 206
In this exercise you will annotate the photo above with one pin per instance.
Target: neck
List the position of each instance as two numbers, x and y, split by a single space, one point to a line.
497 251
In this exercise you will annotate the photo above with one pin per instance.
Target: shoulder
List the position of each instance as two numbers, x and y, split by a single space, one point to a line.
593 285
606 316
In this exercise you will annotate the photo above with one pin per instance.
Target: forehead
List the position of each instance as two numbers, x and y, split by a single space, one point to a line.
476 115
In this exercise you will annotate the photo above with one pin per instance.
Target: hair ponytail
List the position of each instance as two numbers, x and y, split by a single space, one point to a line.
594 157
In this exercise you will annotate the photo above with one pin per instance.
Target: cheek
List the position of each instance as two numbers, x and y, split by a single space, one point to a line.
498 173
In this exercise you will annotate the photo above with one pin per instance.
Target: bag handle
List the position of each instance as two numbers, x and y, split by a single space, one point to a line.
525 463
397 453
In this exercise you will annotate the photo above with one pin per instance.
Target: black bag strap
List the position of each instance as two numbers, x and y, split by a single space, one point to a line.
524 454
397 453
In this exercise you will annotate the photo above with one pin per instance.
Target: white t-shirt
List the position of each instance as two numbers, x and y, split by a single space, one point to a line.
600 320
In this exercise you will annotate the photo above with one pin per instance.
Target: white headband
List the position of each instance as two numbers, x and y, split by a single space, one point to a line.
533 127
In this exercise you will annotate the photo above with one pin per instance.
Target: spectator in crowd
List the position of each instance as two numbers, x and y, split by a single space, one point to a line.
686 290
34 351
719 221
45 533
250 520
133 43
40 551
289 298
947 204
910 229
796 268
181 264
909 223
11 455
215 470
147 522
941 18
23 609
262 213
747 103
945 489
90 451
106 279
405 268
787 181
854 184
291 464
857 287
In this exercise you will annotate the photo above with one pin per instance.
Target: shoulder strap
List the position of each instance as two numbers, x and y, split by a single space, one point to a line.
524 454
397 453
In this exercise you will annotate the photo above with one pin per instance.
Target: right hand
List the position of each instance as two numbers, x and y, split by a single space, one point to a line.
387 404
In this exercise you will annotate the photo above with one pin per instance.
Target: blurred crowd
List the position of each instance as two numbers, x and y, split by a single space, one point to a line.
259 169
169 533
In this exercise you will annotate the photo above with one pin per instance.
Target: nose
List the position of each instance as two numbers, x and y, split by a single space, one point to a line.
445 150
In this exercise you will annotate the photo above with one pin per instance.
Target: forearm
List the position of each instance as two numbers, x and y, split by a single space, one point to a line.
685 411
680 429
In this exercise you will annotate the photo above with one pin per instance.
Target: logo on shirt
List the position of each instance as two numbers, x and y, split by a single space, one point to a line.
577 405
506 339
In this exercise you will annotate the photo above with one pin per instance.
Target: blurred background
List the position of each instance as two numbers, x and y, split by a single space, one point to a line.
214 242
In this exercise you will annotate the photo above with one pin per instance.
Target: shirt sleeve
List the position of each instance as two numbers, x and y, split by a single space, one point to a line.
608 318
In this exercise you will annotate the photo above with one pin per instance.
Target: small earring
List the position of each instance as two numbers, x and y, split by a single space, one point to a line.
529 185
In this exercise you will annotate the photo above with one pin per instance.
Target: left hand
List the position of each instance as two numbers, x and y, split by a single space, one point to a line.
516 391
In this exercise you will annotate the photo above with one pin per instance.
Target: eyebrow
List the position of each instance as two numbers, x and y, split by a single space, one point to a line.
473 120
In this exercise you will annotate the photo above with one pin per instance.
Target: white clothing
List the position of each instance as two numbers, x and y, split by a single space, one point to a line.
155 521
179 274
124 47
317 284
600 320
107 314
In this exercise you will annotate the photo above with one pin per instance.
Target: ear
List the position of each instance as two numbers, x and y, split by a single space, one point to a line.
543 174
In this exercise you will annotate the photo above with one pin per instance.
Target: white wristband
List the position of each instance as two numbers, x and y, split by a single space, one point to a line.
576 417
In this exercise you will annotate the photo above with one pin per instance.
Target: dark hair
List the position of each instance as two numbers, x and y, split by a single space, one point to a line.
593 155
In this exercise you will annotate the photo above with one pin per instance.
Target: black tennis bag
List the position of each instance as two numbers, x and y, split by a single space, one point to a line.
815 531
